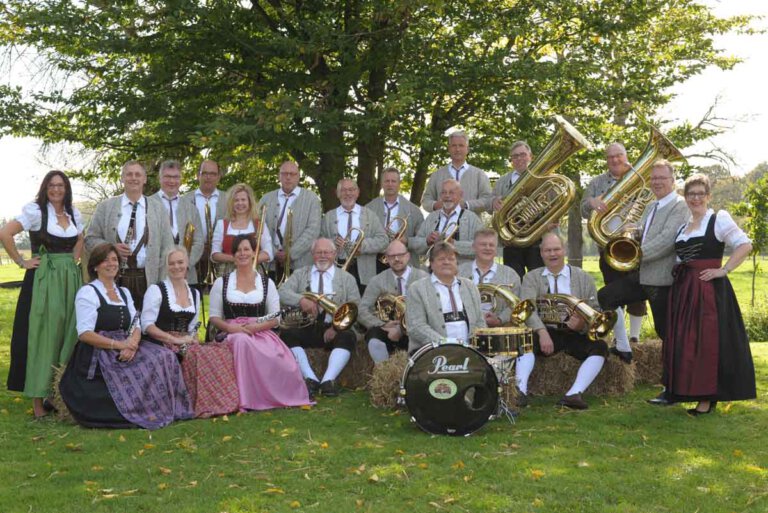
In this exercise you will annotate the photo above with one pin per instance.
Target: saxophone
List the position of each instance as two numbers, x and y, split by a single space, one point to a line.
625 203
540 197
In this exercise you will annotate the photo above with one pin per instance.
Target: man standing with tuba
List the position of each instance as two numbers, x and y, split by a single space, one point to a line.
392 209
324 279
519 259
442 305
385 336
618 166
347 224
659 226
557 278
483 269
305 213
450 222
474 182
185 222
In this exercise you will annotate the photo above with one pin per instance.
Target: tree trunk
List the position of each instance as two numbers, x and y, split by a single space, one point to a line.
575 242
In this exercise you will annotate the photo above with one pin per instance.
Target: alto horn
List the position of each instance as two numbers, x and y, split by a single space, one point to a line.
449 230
349 250
343 316
390 307
558 308
394 235
521 309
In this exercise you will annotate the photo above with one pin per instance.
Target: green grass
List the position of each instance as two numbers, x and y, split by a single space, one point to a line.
343 455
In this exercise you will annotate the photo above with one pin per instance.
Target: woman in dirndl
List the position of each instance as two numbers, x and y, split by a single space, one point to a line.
706 356
47 295
114 380
171 317
267 373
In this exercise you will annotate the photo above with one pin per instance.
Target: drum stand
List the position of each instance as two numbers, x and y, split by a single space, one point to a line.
503 366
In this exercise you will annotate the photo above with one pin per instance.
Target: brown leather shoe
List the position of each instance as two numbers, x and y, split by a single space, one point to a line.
575 402
633 340
522 399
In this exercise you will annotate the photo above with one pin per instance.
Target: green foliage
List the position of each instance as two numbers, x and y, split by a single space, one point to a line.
756 320
755 209
345 87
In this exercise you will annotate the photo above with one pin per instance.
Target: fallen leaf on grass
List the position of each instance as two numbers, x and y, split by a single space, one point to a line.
467 478
295 504
162 486
458 465
324 445
305 407
17 399
727 407
399 451
165 470
36 438
226 438
74 447
738 453
359 503
423 465
149 446
373 478
536 474
274 490
537 503
449 500
225 418
582 464
97 468
121 438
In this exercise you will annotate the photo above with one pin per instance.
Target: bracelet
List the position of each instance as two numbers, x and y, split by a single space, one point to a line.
724 268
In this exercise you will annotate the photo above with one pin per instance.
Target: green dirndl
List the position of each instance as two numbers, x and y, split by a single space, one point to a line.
52 322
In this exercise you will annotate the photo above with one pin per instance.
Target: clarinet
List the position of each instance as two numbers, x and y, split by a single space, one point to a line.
220 336
191 333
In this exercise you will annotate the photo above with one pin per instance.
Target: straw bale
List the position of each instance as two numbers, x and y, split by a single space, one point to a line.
384 386
554 375
647 358
355 374
62 412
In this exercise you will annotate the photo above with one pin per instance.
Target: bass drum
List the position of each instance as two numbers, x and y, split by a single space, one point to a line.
450 389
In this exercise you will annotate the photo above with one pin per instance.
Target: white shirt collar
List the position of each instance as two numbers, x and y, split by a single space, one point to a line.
126 201
456 213
214 194
341 210
475 268
663 202
436 280
331 271
461 168
391 205
566 272
166 197
295 192
405 276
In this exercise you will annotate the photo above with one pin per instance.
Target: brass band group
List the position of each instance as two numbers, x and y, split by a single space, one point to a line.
284 277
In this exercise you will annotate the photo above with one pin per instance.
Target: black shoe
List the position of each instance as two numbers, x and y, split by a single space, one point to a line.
633 340
625 356
49 407
522 399
574 401
329 388
660 400
693 412
313 387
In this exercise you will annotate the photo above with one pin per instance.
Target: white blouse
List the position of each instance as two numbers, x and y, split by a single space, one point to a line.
235 296
153 299
726 229
218 237
31 219
87 304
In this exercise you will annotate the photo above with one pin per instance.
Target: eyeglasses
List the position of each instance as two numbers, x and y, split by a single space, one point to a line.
696 195
518 155
660 178
321 252
397 255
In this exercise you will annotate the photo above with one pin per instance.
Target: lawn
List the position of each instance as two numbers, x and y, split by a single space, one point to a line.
343 455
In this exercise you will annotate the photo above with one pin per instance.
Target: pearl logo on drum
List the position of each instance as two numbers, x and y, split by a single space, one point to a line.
441 366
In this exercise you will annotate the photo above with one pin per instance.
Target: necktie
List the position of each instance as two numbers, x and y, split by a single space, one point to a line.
650 220
556 276
320 286
453 299
389 212
399 285
279 230
481 276
170 209
349 223
457 173
132 223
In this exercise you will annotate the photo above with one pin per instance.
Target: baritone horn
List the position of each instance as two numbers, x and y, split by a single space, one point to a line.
449 230
556 309
349 249
391 307
394 235
342 316
540 197
625 202
521 309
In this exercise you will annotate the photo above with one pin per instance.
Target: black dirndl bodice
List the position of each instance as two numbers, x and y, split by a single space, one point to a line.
703 247
52 243
235 310
112 317
167 319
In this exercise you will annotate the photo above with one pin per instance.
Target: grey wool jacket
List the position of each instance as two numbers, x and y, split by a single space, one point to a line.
536 285
384 282
187 213
474 183
504 276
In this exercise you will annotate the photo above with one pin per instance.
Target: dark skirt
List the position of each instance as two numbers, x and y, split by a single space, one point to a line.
707 354
19 340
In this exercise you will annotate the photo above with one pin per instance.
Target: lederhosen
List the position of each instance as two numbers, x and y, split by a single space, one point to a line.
312 335
132 277
19 340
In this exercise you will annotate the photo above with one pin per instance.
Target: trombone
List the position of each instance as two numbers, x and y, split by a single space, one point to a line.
349 249
449 230
393 235
287 242
259 232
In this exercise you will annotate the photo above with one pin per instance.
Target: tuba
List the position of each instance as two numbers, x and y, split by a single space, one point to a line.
343 316
540 197
391 307
349 250
556 309
189 236
287 242
521 310
625 202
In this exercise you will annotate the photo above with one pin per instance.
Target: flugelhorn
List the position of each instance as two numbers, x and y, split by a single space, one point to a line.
521 309
287 242
449 230
391 307
625 202
343 316
394 235
349 249
189 236
556 309
540 197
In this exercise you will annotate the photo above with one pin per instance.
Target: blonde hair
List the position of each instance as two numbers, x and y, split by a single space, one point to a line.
241 187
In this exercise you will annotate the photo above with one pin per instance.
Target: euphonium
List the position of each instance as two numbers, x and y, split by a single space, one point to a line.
449 230
521 310
343 316
625 202
189 236
558 308
287 243
349 250
391 307
540 197
394 235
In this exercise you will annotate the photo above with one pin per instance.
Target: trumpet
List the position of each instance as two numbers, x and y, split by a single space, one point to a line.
350 249
556 309
521 309
343 316
449 230
189 236
394 235
259 233
390 307
287 242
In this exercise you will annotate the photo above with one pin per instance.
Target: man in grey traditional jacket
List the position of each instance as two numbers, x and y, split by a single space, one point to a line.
138 228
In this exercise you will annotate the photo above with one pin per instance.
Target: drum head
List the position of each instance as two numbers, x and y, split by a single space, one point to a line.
450 389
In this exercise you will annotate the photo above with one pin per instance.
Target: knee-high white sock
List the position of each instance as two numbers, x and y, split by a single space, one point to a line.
378 350
588 371
620 332
523 369
336 362
303 361
635 323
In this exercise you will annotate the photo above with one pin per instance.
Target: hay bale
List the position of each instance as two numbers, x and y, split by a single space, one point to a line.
62 412
355 374
554 376
647 359
384 385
